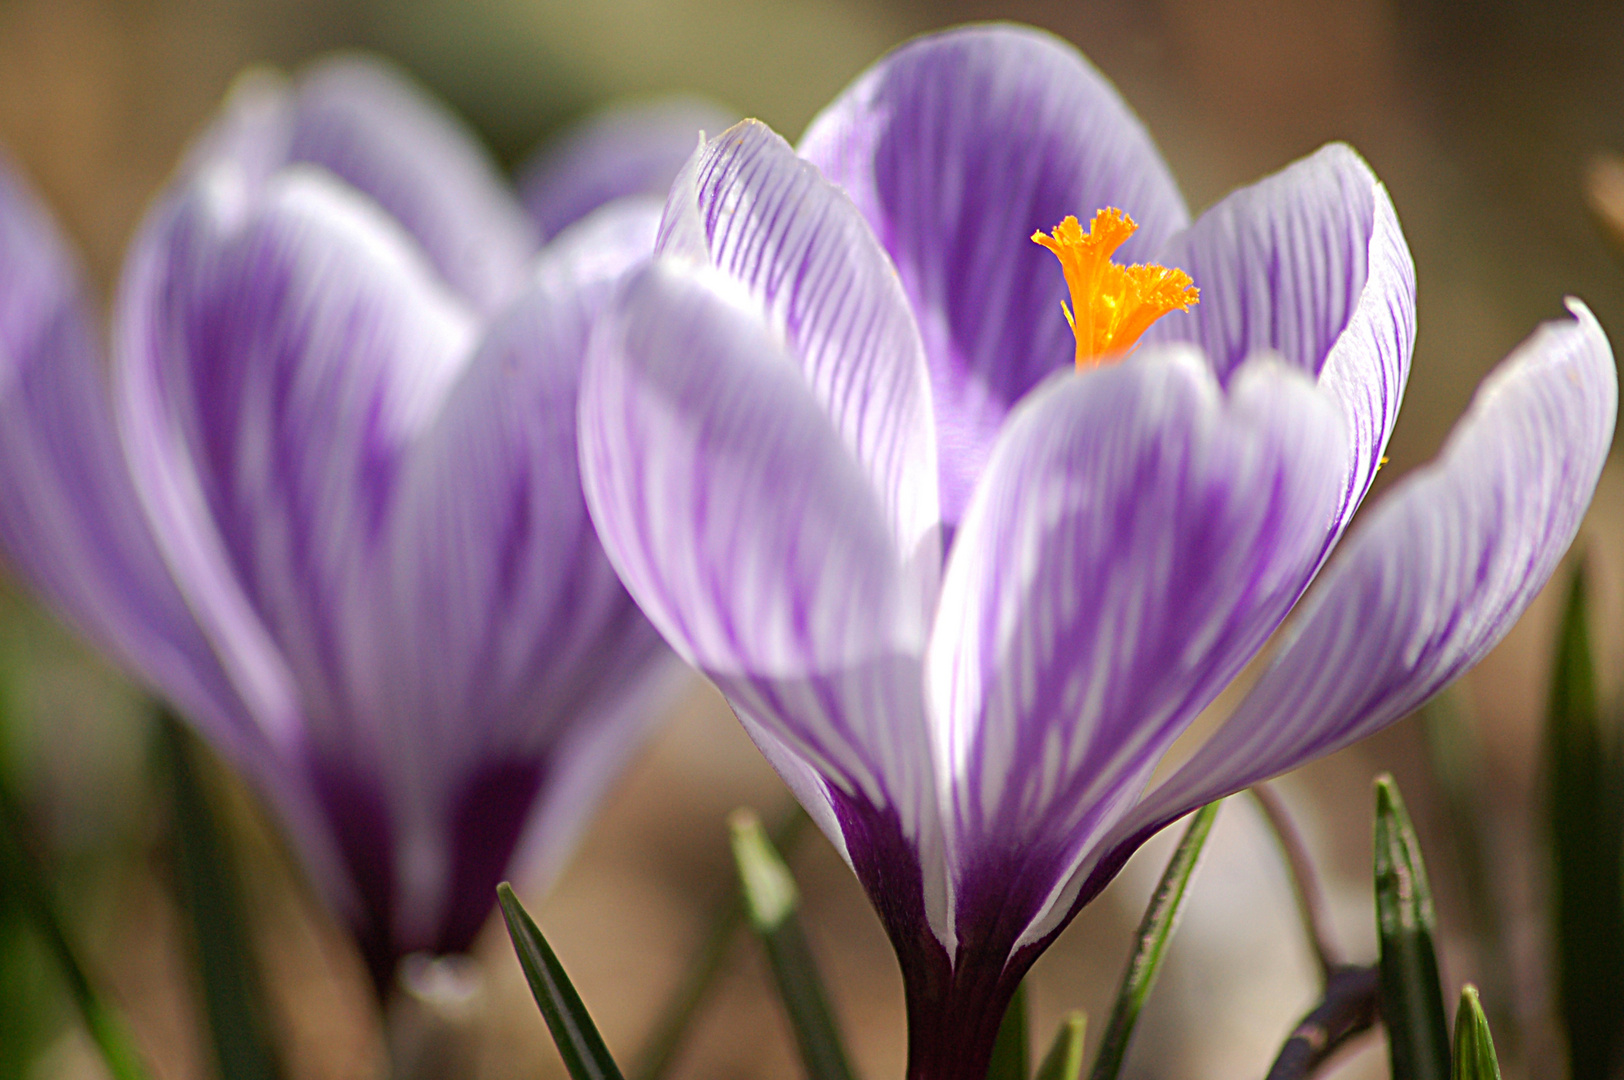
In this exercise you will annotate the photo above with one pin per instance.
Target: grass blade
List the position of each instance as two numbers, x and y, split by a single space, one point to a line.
24 875
579 1044
1474 1046
1155 931
1064 1061
1009 1053
660 1050
770 901
1412 1003
1586 820
210 895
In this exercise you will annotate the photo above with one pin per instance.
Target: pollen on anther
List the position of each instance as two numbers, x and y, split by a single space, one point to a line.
1111 304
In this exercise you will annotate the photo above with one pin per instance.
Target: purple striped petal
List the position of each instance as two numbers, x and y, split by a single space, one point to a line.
752 209
69 519
71 525
499 605
1428 584
376 129
957 146
276 355
624 150
1138 534
1310 264
753 540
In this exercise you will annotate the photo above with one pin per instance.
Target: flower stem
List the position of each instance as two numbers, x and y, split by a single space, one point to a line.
1350 1007
1305 885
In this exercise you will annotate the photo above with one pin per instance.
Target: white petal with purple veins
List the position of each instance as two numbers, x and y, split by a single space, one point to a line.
496 601
1310 264
765 218
1138 534
751 536
956 147
276 355
373 127
1433 579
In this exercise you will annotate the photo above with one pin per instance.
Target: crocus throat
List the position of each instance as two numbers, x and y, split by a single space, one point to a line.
1111 305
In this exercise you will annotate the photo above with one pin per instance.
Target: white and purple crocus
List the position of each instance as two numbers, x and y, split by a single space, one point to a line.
328 504
966 574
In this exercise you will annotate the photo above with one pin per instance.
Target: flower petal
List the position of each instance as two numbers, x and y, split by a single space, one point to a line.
957 146
1427 584
750 536
375 128
1310 264
69 519
749 207
629 149
71 525
504 631
1138 534
277 351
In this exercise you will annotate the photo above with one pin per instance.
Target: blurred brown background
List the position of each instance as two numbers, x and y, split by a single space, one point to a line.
1480 118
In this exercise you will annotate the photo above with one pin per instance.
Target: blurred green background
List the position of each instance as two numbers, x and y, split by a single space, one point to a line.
1481 118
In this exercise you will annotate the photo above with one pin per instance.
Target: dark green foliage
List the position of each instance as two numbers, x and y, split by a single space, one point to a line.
210 895
1585 805
1412 1004
576 1036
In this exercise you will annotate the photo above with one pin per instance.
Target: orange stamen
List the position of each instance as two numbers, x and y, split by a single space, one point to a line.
1111 305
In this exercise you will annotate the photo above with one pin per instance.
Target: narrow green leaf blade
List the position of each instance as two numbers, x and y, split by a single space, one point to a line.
1585 805
770 902
1064 1061
1474 1046
24 874
1412 1002
1009 1053
232 992
1155 932
660 1050
579 1044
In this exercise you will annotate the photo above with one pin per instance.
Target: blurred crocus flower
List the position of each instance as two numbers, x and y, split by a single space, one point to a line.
329 506
626 149
966 574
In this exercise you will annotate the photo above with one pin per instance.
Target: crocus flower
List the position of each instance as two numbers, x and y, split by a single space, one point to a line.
966 574
329 505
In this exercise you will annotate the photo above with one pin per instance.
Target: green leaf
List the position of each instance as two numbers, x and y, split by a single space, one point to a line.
1412 1002
1010 1051
770 902
1586 820
23 874
1064 1061
1155 931
579 1044
661 1048
209 892
1474 1046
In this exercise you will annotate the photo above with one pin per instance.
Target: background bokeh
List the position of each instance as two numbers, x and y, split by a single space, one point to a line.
1480 118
